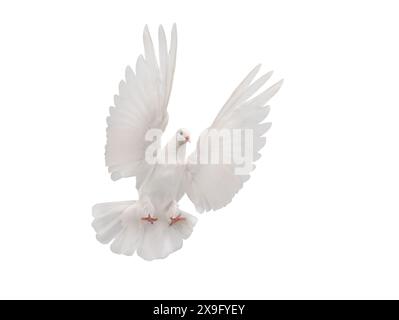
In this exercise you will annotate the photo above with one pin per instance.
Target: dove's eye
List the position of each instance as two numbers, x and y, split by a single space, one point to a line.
181 132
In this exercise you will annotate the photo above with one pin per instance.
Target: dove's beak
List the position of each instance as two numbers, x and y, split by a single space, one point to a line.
187 138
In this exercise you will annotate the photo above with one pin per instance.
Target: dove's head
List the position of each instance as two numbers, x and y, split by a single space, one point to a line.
182 136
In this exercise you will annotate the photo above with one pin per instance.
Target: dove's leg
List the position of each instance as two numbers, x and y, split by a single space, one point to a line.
176 219
174 214
150 219
148 210
180 222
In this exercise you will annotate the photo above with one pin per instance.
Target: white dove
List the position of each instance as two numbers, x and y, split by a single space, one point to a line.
154 226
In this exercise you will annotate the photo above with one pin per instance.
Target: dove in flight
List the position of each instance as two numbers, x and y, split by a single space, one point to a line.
154 226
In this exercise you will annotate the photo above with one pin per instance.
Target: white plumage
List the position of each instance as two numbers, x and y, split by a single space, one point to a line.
154 226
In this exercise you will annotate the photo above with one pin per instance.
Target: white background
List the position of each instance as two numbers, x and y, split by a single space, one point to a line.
318 219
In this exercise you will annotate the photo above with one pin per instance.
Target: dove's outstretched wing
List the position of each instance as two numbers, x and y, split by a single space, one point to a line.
141 105
212 186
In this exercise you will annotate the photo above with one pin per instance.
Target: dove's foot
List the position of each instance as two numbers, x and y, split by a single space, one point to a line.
176 219
149 219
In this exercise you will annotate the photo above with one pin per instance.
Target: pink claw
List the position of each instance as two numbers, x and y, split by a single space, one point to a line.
178 218
149 219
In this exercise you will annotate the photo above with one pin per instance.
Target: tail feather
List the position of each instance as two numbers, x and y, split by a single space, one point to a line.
106 208
122 222
107 222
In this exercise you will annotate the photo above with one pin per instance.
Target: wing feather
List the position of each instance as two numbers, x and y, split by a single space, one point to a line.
212 186
141 104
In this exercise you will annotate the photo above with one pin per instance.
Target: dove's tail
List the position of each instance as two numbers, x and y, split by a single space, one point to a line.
123 224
